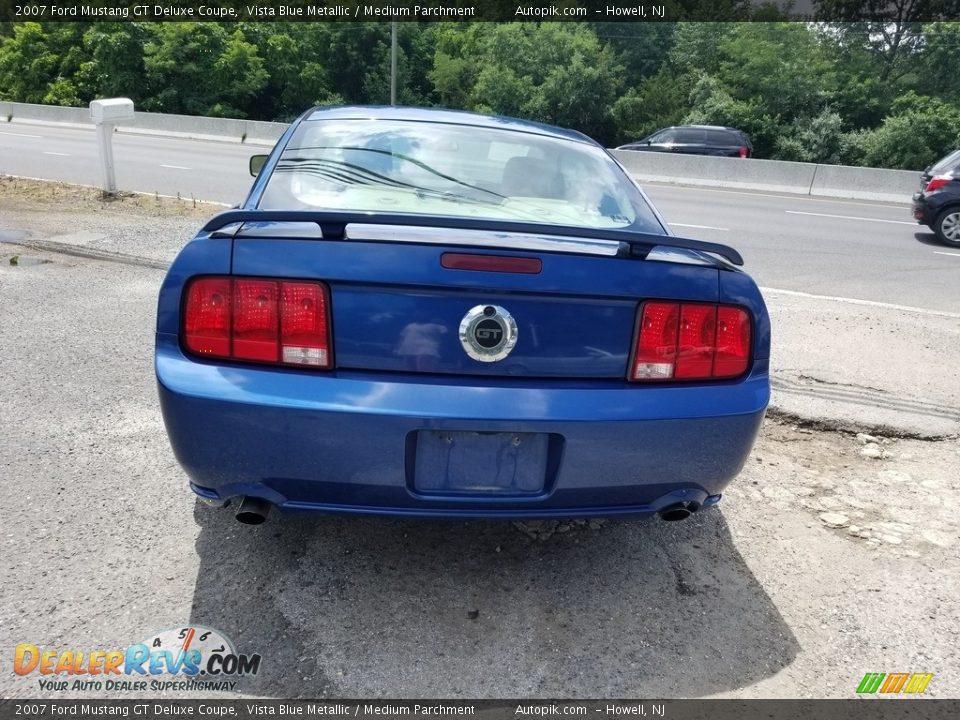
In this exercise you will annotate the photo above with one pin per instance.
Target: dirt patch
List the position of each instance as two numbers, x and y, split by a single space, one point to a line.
20 194
79 220
881 491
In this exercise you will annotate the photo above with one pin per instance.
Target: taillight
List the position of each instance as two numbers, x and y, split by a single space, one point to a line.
304 330
938 182
207 317
696 343
744 151
690 341
255 320
282 322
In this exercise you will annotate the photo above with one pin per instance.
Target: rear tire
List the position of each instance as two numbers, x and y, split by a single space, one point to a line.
947 226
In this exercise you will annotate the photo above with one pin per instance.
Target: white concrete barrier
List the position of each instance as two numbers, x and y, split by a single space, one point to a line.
725 172
205 128
839 181
42 114
769 175
202 128
865 183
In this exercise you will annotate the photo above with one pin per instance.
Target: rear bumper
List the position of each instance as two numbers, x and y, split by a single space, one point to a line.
346 442
921 212
927 206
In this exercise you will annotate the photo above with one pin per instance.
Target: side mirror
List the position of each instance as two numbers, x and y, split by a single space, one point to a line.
256 164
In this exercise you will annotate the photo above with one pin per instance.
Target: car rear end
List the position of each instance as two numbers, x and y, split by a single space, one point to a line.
742 143
447 367
728 142
939 195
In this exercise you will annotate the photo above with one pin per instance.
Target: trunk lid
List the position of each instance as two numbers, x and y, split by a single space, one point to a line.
396 308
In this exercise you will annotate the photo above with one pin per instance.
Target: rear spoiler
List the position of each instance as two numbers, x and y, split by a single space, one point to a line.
334 224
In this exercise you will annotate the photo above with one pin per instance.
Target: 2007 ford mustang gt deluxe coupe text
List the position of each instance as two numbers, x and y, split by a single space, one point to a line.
441 314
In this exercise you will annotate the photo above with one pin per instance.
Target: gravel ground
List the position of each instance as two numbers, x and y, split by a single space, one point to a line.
832 555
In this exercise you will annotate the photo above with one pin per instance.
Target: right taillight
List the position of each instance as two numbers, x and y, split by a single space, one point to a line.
690 341
938 182
283 322
744 152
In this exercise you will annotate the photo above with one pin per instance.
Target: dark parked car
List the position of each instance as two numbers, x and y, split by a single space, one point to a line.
441 314
937 205
696 140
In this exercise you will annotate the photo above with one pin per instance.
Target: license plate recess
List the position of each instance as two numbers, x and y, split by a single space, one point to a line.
481 463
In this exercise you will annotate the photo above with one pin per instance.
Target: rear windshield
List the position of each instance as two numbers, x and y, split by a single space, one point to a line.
427 168
949 163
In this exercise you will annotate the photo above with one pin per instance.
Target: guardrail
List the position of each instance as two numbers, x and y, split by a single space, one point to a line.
201 128
770 175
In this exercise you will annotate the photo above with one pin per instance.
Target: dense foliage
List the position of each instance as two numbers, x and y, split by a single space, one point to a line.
885 95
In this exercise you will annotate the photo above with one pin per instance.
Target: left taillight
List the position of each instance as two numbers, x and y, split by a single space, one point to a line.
938 182
282 322
690 341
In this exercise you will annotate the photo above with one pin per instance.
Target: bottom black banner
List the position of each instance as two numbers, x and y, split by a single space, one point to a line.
856 709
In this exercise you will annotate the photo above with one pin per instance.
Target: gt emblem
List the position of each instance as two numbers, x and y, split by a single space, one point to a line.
488 333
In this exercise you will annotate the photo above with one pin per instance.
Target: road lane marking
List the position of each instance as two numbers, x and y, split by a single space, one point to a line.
937 252
47 152
700 227
20 135
855 301
849 217
176 167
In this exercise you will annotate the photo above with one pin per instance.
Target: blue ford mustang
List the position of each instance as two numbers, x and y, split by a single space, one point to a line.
435 313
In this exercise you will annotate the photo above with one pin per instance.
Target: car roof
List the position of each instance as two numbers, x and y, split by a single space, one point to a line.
440 115
703 127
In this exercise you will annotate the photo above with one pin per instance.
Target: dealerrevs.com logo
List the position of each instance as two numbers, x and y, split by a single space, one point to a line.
188 658
894 683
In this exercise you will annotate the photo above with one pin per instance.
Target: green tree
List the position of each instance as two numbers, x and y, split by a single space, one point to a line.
641 48
661 101
551 72
39 62
238 75
116 59
696 47
415 54
178 61
818 139
452 78
889 31
200 68
778 67
939 61
920 130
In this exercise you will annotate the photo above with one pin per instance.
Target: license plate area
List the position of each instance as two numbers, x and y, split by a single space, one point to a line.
483 463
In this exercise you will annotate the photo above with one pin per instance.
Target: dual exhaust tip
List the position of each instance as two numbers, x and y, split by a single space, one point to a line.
254 511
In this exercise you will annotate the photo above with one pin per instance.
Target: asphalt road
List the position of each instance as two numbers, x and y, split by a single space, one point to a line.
846 249
794 587
104 546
